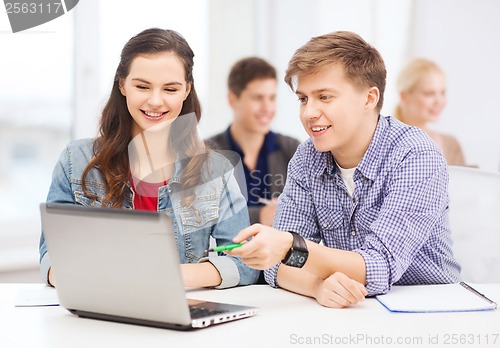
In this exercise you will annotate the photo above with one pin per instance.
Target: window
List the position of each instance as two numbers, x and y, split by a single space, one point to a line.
35 123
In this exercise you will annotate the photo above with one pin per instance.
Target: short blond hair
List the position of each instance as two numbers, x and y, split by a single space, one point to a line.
363 64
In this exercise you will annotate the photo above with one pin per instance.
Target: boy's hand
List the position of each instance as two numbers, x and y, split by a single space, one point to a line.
267 247
339 291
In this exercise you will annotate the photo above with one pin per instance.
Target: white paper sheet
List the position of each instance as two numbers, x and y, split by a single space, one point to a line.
43 296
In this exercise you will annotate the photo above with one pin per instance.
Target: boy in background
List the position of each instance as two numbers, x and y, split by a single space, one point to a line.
265 154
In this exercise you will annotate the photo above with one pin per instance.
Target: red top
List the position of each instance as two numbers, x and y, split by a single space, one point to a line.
146 194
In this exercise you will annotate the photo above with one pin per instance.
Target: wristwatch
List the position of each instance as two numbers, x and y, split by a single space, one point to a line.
297 255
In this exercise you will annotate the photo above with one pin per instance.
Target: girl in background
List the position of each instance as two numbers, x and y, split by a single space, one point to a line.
422 90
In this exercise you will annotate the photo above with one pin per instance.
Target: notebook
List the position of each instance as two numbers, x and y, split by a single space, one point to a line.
123 265
459 297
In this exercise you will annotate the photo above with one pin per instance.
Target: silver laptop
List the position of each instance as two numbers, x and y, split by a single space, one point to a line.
123 265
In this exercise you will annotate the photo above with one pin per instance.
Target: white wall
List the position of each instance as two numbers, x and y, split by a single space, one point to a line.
462 36
231 36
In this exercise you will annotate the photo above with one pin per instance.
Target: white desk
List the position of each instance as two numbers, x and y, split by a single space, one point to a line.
285 319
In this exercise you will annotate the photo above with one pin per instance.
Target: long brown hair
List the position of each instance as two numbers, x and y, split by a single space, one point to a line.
115 129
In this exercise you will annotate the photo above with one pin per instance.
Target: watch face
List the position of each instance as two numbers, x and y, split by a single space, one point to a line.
297 259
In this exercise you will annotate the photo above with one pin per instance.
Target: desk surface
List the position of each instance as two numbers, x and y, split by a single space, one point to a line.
284 319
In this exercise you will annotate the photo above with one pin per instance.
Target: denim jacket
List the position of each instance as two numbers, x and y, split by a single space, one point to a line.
218 209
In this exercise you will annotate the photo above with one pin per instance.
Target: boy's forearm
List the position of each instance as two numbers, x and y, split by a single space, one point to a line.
287 278
324 261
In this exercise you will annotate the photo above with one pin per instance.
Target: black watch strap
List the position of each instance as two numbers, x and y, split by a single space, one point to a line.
298 242
298 253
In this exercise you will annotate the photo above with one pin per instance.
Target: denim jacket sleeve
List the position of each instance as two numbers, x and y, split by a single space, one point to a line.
60 192
233 216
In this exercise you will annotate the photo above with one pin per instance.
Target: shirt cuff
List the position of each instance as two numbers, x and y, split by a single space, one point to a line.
271 274
377 272
227 269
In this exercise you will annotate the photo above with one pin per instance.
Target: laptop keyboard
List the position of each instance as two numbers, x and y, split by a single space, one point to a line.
201 312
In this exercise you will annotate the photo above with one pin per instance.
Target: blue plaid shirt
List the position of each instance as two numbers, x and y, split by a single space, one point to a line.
397 217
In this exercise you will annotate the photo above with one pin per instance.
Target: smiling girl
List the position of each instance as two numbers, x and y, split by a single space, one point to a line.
149 156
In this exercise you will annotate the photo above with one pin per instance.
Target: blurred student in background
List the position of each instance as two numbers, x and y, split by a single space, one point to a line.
265 154
422 91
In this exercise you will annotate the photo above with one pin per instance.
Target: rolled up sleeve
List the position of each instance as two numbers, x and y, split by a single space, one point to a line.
227 269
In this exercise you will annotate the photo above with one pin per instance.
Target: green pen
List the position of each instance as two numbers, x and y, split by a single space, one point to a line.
225 247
